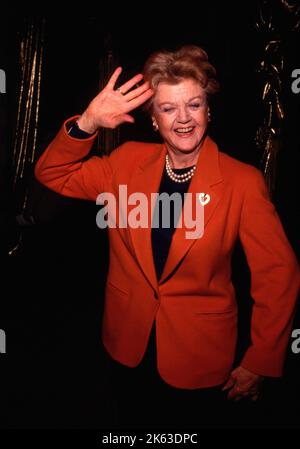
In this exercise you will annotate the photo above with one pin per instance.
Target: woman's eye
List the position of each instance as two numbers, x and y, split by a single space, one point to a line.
195 105
168 109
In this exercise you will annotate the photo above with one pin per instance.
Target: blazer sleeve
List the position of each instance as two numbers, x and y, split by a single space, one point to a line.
63 168
274 279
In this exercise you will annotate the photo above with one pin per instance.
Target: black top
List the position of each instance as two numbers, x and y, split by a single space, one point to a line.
162 236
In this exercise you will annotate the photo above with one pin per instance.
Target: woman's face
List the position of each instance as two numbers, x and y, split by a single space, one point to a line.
181 113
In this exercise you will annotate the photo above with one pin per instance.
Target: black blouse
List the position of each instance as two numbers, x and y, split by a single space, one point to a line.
161 237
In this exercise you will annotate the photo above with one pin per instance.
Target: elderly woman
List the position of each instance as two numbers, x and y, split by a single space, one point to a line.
170 302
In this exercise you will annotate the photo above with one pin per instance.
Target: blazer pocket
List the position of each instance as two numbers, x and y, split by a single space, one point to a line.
217 313
110 285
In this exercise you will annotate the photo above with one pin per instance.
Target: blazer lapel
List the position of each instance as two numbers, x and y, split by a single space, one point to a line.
207 174
147 180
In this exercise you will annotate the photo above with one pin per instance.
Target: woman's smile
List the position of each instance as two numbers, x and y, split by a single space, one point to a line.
185 132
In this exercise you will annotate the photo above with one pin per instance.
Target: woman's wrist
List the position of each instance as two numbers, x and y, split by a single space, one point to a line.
86 125
76 132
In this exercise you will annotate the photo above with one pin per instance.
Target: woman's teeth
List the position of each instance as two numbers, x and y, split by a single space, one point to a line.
184 130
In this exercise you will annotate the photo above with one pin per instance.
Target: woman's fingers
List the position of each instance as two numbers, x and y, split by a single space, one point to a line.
229 384
135 97
234 393
236 396
138 101
237 392
138 91
114 78
126 118
131 83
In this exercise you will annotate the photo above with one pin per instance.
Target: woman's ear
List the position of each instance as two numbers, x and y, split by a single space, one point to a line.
154 123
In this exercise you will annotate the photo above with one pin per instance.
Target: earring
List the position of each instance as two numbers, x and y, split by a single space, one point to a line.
209 116
155 125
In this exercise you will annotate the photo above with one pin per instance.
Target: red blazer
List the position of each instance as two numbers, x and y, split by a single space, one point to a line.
193 304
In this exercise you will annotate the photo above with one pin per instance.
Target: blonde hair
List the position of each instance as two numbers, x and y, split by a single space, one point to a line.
172 67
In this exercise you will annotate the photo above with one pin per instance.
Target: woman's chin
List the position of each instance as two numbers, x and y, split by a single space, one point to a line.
185 147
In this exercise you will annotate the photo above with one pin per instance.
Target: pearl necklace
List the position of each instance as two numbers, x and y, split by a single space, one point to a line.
179 178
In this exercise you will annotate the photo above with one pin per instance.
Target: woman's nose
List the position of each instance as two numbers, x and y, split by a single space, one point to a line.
183 116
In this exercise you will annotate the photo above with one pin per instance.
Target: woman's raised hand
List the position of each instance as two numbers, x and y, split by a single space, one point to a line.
111 106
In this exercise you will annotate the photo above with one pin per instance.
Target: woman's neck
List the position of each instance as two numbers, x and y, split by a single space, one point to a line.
178 159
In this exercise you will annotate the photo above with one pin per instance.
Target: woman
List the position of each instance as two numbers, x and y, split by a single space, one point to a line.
160 275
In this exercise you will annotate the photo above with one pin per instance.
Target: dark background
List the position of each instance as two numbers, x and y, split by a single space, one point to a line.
53 374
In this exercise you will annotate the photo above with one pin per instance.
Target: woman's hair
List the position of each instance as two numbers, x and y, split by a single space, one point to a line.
172 67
